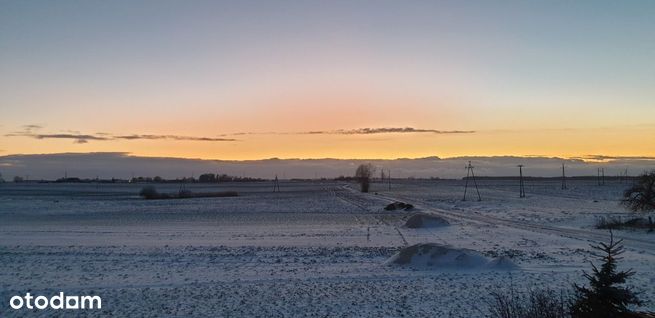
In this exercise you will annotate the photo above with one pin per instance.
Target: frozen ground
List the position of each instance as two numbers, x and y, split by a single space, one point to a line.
317 249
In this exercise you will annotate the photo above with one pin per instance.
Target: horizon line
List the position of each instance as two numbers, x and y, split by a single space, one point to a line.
583 158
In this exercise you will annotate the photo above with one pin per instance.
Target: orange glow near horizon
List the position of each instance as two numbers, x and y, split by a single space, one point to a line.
565 144
171 79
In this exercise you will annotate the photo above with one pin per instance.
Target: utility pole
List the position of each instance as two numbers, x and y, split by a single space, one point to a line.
598 176
276 185
389 178
626 175
521 188
601 176
563 178
469 173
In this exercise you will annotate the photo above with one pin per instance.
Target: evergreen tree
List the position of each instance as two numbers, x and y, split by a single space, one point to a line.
604 298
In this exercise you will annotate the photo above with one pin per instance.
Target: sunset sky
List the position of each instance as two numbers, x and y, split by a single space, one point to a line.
341 79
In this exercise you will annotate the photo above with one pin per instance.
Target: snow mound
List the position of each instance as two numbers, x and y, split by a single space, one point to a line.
430 255
419 220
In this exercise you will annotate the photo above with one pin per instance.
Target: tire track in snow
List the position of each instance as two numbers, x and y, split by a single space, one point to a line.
347 195
472 215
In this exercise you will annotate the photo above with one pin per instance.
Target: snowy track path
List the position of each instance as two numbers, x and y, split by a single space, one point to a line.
640 245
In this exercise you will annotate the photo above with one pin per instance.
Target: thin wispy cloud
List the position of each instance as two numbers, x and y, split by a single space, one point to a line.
85 138
31 131
388 130
32 127
359 131
79 139
171 137
607 158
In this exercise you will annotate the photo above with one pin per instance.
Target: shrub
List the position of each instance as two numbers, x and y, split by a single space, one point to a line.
641 196
533 304
149 192
613 223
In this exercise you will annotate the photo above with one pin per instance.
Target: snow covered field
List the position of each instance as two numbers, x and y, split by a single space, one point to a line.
316 249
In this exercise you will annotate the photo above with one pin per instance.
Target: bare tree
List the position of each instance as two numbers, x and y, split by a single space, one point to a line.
363 175
641 196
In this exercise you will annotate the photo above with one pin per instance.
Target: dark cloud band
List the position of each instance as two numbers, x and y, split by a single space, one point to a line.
360 131
29 131
393 130
85 138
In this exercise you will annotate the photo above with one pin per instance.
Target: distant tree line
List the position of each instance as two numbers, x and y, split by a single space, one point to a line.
203 178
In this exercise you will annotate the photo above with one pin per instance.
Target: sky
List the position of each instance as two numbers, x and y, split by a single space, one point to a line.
245 80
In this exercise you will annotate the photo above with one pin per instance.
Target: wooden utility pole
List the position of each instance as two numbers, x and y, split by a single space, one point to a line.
563 178
521 188
469 173
601 176
598 176
626 175
389 178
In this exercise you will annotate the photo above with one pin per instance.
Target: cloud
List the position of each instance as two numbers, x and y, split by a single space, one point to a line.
32 127
171 137
85 138
394 130
607 158
360 131
79 138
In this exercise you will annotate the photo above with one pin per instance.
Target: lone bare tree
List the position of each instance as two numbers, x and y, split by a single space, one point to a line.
641 196
363 175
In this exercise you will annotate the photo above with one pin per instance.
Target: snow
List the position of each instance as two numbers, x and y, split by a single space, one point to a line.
315 249
437 256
